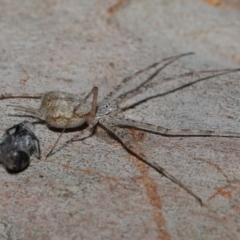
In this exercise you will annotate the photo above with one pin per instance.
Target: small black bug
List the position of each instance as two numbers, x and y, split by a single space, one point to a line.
18 144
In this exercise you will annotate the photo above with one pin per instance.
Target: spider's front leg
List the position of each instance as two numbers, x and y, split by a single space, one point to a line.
166 61
123 122
108 124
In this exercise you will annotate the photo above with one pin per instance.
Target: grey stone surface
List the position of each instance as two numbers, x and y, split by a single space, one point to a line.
95 189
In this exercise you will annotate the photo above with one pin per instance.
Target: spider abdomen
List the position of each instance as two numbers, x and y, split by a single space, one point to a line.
59 110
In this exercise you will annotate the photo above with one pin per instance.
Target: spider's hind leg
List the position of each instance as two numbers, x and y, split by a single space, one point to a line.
10 96
36 113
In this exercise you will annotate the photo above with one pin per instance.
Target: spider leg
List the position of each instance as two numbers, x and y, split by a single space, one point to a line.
214 166
145 87
10 96
35 112
127 143
90 117
220 73
137 91
25 96
82 135
92 114
123 122
129 78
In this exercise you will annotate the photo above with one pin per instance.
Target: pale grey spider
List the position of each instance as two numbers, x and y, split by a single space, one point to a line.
65 110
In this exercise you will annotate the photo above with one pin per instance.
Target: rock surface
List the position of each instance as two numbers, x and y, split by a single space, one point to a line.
95 189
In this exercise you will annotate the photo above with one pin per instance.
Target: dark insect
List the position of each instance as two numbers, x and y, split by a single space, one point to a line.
18 144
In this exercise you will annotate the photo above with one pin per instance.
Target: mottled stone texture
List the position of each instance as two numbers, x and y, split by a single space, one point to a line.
95 189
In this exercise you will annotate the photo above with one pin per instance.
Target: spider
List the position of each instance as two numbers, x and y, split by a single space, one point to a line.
65 110
18 144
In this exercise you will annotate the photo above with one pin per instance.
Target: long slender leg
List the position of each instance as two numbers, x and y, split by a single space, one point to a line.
86 133
90 117
129 78
10 96
137 91
214 166
127 143
152 76
35 113
225 71
92 114
25 96
82 135
151 85
123 122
